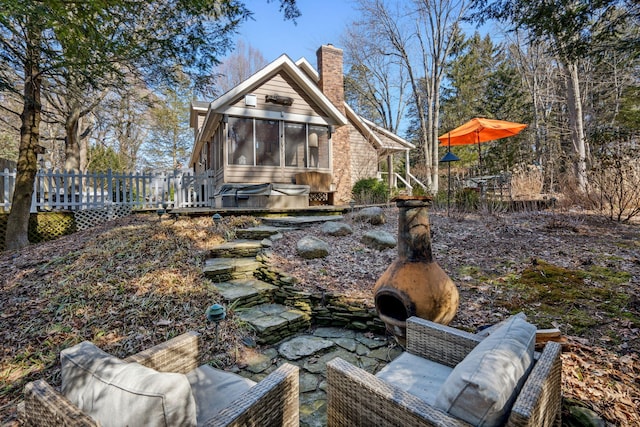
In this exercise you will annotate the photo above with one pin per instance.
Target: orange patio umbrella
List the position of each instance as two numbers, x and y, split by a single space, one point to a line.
479 130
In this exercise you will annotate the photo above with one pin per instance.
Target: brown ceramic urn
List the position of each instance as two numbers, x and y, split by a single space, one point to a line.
414 284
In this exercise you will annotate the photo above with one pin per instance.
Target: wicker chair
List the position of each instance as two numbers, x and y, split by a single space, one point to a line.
271 402
358 398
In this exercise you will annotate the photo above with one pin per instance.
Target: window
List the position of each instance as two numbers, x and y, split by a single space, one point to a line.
267 143
240 141
318 147
257 142
295 136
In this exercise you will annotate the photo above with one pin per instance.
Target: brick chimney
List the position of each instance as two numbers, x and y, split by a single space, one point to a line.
332 85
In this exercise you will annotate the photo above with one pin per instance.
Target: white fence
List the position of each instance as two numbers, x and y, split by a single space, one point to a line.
55 190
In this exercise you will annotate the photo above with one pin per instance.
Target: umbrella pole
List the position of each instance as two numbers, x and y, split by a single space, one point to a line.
448 186
479 153
449 178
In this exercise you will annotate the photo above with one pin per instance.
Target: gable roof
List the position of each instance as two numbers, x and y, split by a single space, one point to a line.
379 136
284 63
306 76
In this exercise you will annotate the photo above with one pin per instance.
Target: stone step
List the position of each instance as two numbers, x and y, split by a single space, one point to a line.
224 269
246 292
236 249
258 233
300 221
274 322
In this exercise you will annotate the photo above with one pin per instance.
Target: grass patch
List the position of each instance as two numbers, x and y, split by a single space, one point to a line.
577 298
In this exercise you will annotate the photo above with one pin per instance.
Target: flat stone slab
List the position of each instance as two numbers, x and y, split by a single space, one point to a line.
348 344
299 347
236 248
270 318
260 362
385 354
258 233
300 221
319 365
308 382
244 289
313 409
372 343
230 268
329 332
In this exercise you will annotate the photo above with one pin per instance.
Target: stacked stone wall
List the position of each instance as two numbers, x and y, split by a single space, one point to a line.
324 308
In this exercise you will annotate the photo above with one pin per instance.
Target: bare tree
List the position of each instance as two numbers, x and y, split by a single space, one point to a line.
239 66
539 72
375 85
420 37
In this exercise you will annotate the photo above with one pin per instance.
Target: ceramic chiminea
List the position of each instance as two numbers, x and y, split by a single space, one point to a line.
414 284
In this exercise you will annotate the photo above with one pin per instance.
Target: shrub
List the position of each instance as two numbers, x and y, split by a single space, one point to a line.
526 181
370 191
614 187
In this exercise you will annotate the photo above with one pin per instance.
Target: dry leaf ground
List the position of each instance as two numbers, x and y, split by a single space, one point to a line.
137 281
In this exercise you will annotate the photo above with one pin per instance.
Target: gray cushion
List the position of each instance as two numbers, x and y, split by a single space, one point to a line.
482 388
116 393
420 377
214 390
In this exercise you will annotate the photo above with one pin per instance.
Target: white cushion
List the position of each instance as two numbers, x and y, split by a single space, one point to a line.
214 390
482 388
116 393
420 377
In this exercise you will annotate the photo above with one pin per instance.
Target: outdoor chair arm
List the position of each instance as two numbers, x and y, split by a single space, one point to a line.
44 406
439 343
540 400
356 397
271 402
180 354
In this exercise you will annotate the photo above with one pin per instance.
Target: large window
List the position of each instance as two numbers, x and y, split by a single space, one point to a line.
257 142
267 143
318 147
295 145
240 141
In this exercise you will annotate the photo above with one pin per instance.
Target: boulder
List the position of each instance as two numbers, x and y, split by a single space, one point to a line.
310 247
336 228
379 240
373 215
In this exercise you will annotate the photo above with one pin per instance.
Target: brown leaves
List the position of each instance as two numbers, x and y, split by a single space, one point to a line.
484 253
608 384
137 282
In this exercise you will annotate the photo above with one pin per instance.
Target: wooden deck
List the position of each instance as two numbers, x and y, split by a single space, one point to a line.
263 212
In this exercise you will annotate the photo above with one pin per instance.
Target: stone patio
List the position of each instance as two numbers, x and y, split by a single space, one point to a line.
310 352
284 330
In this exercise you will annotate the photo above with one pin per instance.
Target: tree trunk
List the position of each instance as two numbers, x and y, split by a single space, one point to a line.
17 236
72 139
574 102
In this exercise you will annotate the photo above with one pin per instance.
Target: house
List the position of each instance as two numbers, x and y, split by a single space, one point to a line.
286 138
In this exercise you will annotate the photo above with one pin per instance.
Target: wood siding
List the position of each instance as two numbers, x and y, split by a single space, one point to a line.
262 174
364 158
281 84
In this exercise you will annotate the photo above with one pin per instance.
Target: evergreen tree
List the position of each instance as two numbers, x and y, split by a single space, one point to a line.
170 137
97 39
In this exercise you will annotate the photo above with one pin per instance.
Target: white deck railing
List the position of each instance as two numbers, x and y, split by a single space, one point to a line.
54 190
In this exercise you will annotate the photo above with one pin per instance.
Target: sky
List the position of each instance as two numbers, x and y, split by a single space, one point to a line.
322 22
